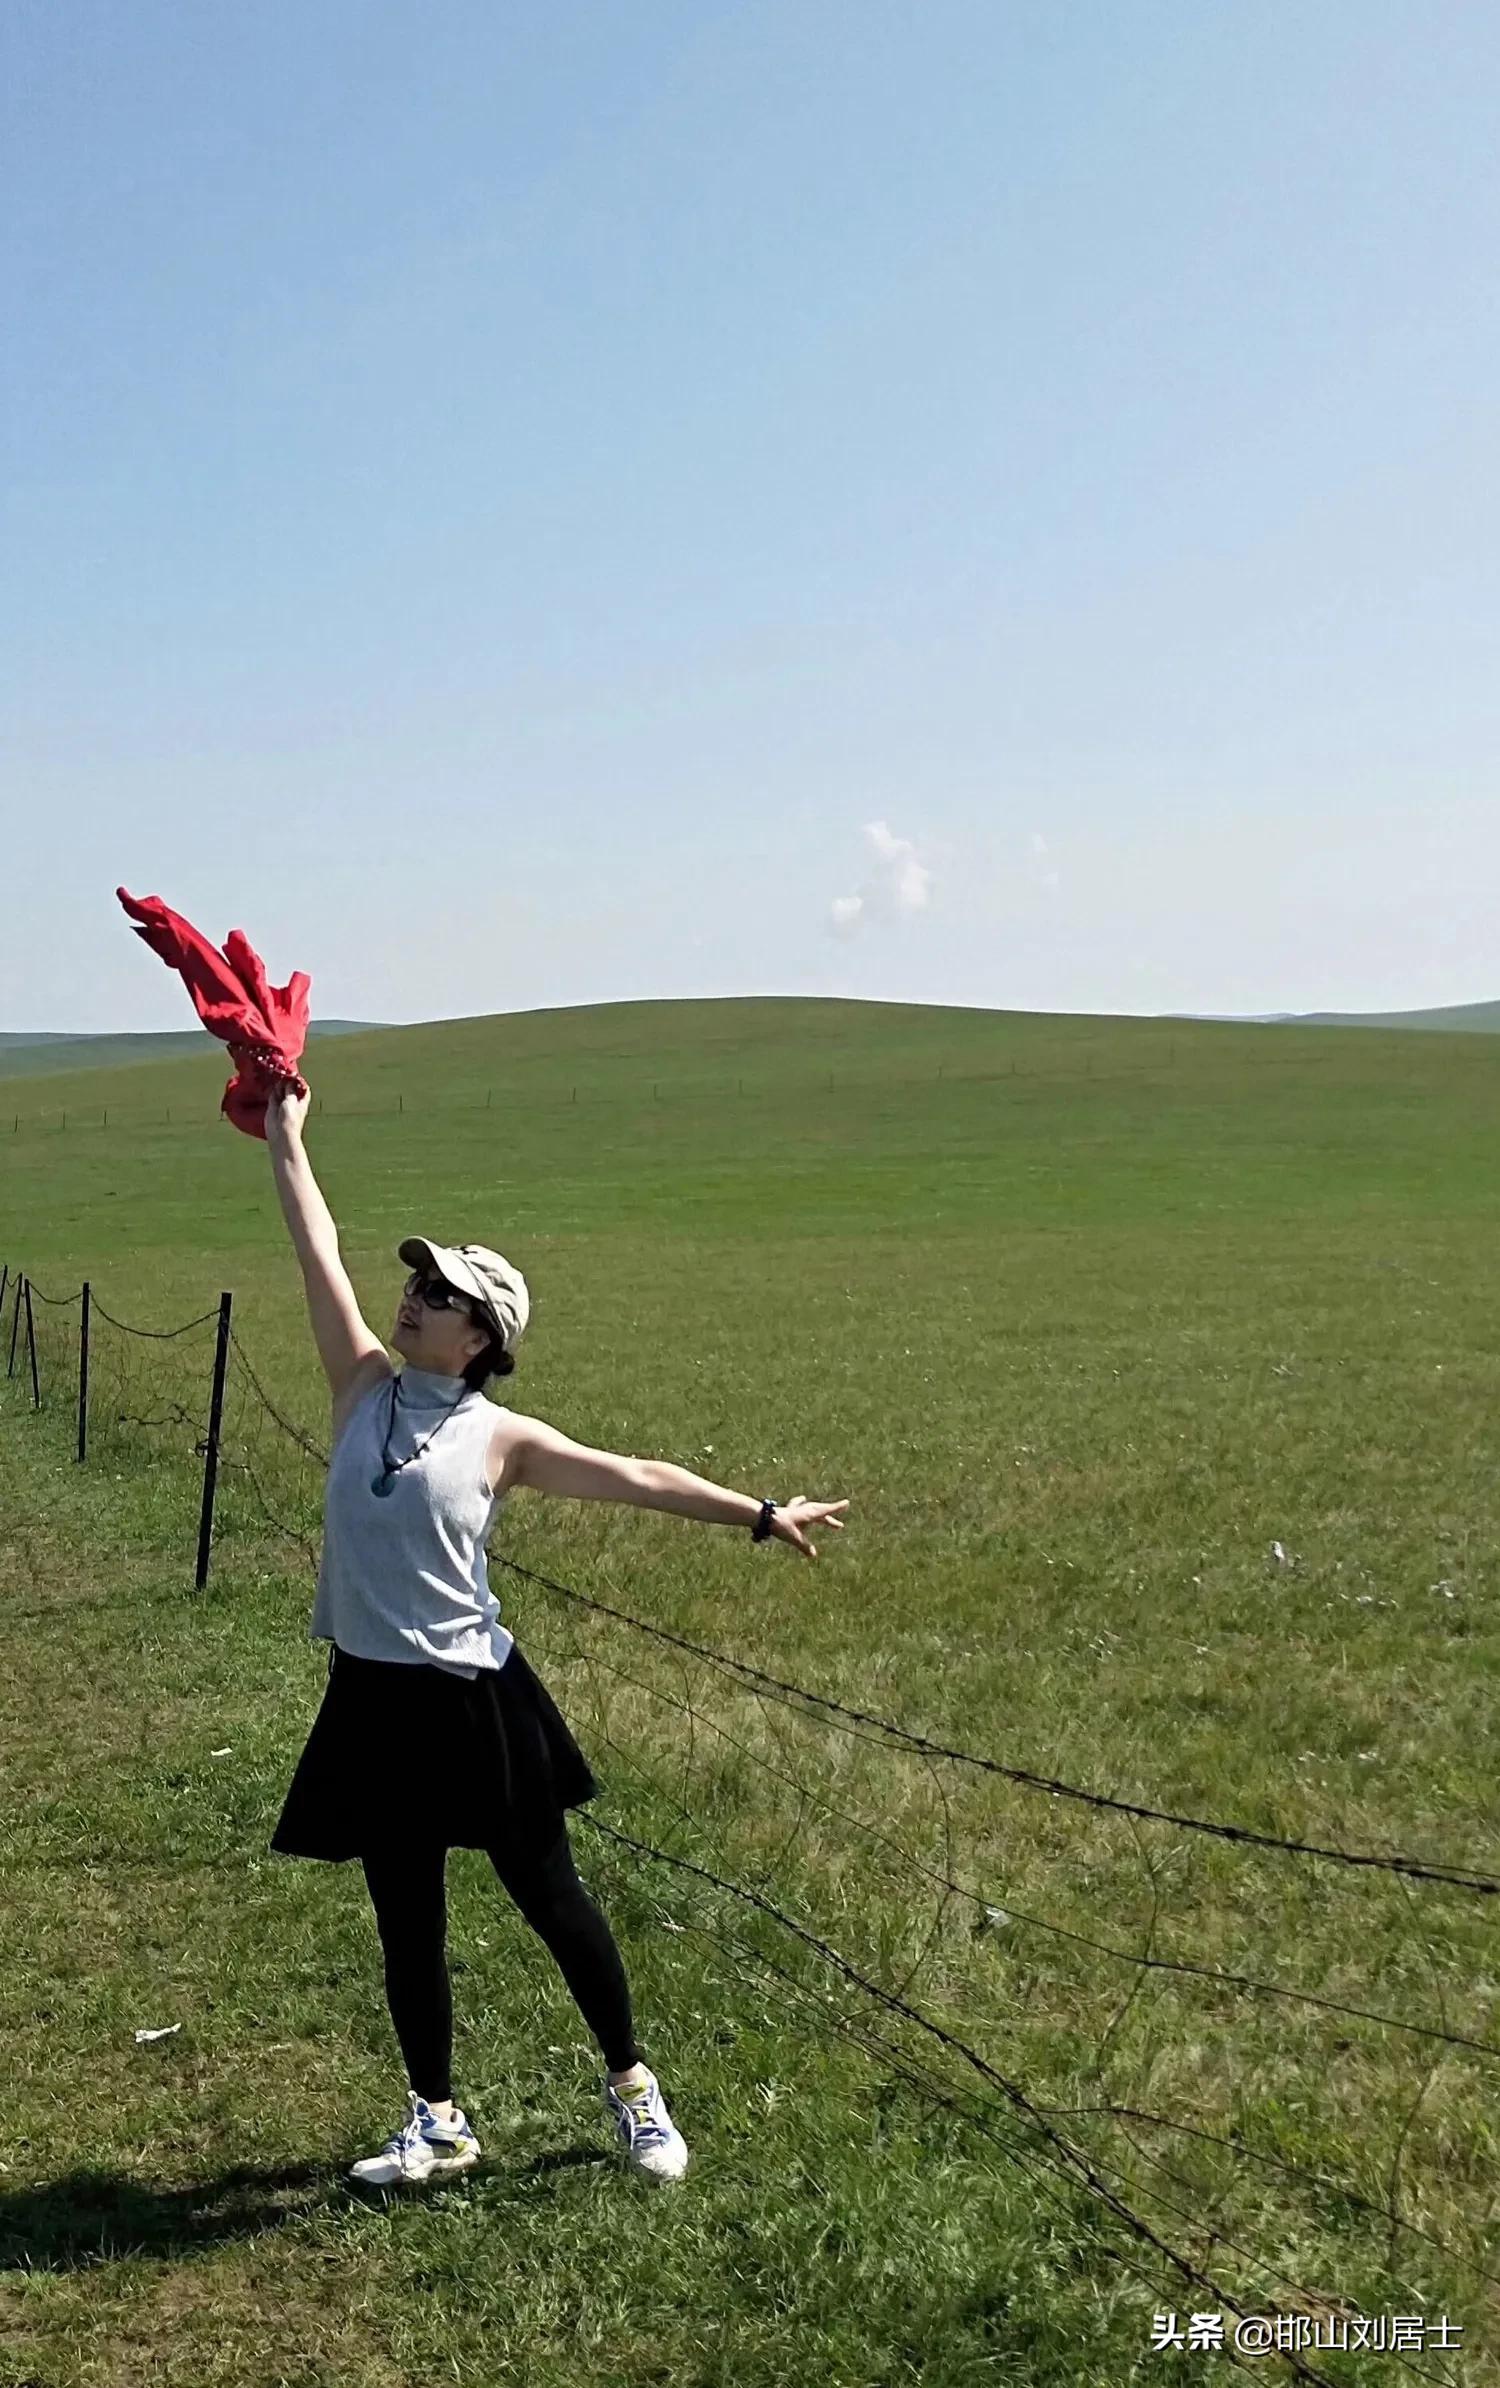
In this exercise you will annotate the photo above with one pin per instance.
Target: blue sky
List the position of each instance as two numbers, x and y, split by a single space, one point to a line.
956 503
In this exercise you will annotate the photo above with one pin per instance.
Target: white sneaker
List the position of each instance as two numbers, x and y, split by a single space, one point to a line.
650 2138
423 2149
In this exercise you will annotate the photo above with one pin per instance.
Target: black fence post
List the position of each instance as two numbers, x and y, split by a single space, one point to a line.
83 1374
211 1447
36 1390
15 1327
4 1282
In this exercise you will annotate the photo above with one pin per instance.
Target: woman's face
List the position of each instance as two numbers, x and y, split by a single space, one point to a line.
446 1339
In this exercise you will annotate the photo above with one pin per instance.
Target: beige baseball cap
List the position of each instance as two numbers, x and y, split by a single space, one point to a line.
499 1290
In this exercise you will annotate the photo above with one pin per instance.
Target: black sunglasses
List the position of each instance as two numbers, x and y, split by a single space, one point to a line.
437 1295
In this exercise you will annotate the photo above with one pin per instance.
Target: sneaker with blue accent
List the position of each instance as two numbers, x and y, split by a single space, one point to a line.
424 2149
651 2140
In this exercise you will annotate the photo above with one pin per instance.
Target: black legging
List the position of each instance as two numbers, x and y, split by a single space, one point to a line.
411 1911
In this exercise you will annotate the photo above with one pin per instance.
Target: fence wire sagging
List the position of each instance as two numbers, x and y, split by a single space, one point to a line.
130 1392
1016 1985
150 1388
1024 1955
1103 1066
271 1470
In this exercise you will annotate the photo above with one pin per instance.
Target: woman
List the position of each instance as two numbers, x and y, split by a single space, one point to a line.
433 1732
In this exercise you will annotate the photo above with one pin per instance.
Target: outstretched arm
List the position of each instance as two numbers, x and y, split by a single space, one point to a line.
551 1462
345 1343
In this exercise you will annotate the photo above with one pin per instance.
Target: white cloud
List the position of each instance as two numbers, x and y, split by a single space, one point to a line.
910 880
899 883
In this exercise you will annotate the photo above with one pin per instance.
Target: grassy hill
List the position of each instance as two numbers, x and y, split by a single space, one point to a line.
30 1052
1157 1362
1471 1019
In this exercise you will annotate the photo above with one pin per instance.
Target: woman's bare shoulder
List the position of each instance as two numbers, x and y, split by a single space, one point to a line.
506 1435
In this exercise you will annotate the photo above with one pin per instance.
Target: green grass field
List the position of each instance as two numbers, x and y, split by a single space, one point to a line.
1082 1317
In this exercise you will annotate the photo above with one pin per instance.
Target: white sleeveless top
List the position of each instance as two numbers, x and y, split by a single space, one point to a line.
404 1577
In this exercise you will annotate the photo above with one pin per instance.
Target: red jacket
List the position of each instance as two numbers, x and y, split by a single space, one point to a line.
265 1027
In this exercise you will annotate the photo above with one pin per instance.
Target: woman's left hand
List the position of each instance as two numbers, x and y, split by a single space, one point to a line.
789 1518
286 1111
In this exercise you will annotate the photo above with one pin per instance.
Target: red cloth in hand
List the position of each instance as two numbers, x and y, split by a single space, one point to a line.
265 1027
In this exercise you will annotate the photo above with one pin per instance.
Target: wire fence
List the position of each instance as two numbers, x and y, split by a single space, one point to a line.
728 1751
1102 1066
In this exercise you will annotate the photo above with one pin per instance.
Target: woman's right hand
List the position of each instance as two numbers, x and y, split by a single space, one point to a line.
285 1112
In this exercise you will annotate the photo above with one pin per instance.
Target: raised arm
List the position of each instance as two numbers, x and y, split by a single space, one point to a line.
346 1345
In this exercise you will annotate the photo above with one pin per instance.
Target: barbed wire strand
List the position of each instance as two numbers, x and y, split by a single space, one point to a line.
1024 2152
1184 1967
988 1904
1452 1879
1326 2181
1041 2169
1073 2158
848 2022
1320 2181
295 1433
150 1334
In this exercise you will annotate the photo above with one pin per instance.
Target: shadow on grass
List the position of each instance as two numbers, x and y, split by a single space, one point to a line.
89 2218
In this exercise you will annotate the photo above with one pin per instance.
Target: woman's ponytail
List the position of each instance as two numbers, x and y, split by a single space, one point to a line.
494 1360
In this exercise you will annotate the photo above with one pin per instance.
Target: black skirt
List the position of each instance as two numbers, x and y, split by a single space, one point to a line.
401 1754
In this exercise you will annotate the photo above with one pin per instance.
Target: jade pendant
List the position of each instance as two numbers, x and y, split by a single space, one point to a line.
382 1485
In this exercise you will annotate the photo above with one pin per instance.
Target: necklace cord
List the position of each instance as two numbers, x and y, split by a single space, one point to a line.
389 1473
